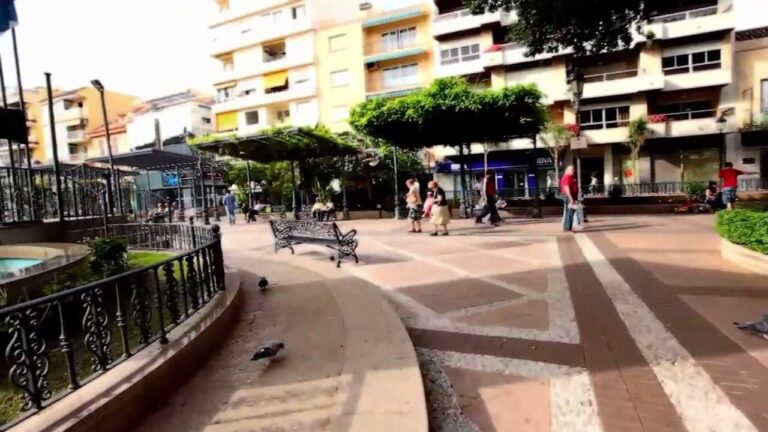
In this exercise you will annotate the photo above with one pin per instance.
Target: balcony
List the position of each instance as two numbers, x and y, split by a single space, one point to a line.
76 136
376 87
383 51
461 20
691 22
231 38
511 53
620 83
459 68
242 8
606 136
705 78
700 122
239 71
74 114
301 91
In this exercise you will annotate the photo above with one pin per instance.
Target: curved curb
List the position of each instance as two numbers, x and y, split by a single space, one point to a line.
118 400
744 257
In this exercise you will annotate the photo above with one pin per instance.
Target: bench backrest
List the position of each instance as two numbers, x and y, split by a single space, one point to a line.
284 228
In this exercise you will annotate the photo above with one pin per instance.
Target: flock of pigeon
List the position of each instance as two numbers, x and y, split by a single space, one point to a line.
270 349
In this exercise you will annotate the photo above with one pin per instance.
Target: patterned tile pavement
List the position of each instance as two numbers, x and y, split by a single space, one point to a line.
624 327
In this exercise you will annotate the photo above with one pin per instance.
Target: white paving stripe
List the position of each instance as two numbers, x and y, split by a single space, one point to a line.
572 400
699 401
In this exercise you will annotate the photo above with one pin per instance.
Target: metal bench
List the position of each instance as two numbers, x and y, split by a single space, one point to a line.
289 233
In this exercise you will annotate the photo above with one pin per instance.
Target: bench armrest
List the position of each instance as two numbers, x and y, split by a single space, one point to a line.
349 235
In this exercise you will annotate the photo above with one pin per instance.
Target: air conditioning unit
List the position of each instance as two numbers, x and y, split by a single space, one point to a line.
373 66
365 5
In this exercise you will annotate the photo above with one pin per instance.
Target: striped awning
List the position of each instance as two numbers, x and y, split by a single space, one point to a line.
395 55
399 16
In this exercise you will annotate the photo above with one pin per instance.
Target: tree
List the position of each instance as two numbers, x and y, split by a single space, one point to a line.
585 27
638 129
555 139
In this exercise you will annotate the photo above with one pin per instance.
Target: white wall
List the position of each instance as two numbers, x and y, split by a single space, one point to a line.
173 120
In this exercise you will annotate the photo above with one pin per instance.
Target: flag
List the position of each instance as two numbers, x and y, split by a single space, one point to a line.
8 18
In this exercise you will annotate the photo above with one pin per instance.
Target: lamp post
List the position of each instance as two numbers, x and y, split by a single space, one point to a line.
577 90
248 179
721 123
100 87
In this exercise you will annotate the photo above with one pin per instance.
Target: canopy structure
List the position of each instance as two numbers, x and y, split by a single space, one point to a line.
149 159
291 144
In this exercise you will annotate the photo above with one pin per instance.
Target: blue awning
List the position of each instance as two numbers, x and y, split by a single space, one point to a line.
395 55
399 16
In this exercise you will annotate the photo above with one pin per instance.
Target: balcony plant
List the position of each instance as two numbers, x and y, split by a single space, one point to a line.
657 118
638 128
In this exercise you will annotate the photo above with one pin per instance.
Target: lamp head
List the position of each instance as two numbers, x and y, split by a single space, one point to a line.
98 85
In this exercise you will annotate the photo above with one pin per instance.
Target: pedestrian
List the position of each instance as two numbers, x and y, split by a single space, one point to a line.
317 209
328 210
413 200
428 204
488 191
730 182
569 191
593 184
441 217
230 205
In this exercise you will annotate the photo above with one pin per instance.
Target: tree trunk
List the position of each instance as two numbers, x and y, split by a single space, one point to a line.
463 174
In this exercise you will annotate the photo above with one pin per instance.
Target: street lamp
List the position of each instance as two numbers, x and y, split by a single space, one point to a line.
720 124
100 87
248 179
577 90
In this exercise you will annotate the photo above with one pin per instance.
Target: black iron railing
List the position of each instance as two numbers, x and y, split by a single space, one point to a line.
55 344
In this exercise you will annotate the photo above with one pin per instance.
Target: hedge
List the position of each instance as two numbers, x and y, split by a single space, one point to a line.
748 228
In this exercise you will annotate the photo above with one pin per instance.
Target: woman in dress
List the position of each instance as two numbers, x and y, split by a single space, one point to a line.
441 216
413 198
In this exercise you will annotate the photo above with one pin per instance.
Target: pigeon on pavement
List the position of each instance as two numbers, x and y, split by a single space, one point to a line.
268 350
757 327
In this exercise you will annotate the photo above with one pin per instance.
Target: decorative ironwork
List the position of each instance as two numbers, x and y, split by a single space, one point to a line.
289 233
207 275
192 285
142 313
171 292
96 328
26 353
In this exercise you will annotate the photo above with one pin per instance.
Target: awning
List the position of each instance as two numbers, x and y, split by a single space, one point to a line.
276 79
149 159
398 16
393 94
226 121
395 55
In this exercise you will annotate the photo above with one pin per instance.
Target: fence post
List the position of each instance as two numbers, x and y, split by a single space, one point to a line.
218 258
192 230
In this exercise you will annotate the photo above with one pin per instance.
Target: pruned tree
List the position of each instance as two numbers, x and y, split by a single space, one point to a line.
555 139
638 129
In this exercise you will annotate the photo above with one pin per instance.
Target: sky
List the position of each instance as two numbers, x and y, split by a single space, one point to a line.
148 48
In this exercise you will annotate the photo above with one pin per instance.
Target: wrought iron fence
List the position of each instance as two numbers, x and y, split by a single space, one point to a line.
55 344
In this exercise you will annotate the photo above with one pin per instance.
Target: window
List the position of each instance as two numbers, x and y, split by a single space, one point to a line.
337 43
273 17
300 77
400 76
340 78
206 120
340 113
604 118
691 62
283 116
224 94
274 52
460 54
398 39
764 96
73 149
687 110
298 12
303 110
252 117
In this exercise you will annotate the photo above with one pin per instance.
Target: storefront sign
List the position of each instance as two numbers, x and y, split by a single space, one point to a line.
578 143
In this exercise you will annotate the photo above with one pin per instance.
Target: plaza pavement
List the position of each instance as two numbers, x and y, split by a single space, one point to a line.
625 327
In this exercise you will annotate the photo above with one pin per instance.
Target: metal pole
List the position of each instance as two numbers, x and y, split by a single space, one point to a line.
293 192
180 198
148 194
206 219
397 188
109 154
248 179
13 190
104 210
52 121
32 211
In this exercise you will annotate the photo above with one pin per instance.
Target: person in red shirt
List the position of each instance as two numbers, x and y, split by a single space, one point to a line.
488 192
730 182
569 189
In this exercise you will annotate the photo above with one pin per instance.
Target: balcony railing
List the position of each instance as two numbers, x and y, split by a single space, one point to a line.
609 76
383 47
77 135
453 15
685 15
58 343
689 115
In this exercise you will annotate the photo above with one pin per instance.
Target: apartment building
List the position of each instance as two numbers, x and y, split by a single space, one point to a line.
34 128
118 137
77 113
187 112
306 62
681 81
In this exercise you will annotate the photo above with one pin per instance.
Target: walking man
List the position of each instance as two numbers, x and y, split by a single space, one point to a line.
230 206
488 192
569 190
730 178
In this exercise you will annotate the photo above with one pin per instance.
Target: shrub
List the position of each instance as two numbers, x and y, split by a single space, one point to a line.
745 227
696 190
109 256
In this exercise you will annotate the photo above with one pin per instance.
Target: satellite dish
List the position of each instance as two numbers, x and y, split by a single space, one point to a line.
336 185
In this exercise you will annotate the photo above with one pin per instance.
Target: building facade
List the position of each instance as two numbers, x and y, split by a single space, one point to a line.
169 116
34 128
77 113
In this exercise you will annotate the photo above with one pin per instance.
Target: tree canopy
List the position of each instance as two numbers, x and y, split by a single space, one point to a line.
450 112
584 26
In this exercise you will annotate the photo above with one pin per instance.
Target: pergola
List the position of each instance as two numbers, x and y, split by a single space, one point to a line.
283 144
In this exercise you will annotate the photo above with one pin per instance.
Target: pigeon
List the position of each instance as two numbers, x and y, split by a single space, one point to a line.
268 350
757 327
263 283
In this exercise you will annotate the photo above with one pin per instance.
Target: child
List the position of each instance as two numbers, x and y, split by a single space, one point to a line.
428 203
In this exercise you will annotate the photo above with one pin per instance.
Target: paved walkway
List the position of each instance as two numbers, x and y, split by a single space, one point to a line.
521 328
